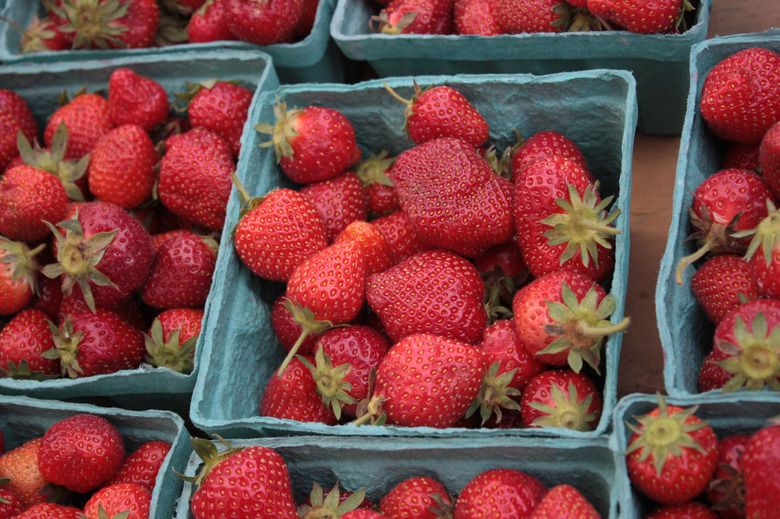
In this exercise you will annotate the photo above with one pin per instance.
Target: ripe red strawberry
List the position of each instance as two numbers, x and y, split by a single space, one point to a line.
726 491
8 149
363 514
761 456
97 343
711 374
51 511
672 454
142 465
111 500
253 478
416 497
195 177
67 453
497 493
22 341
109 24
375 174
87 117
121 167
29 198
263 22
291 394
402 238
442 111
475 17
279 232
427 381
769 158
561 398
17 107
520 16
722 283
136 99
414 17
172 338
658 16
741 156
564 501
20 466
727 202
10 503
500 343
288 331
306 21
763 253
18 275
340 200
378 255
435 292
740 98
562 319
452 197
180 275
209 23
542 145
221 107
689 510
312 143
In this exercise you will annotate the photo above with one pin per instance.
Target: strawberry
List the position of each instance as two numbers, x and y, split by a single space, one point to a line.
180 275
252 478
195 177
726 491
287 330
136 99
142 465
311 144
763 253
112 500
658 16
340 200
561 398
22 342
741 156
121 167
87 117
542 145
416 497
564 500
374 172
761 456
209 23
769 158
434 292
263 22
221 107
51 511
427 381
10 503
279 232
414 17
562 319
10 128
291 394
110 23
172 338
378 255
672 454
689 510
475 17
306 21
497 493
97 343
17 107
442 111
20 466
740 98
29 198
400 236
363 514
500 343
160 238
18 275
452 197
520 16
67 453
722 283
724 204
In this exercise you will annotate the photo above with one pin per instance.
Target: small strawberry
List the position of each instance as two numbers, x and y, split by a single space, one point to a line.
378 255
209 23
51 511
105 24
17 107
564 501
22 342
111 500
521 16
291 394
711 374
136 99
374 172
400 235
18 275
761 456
67 453
414 17
142 465
339 200
722 283
20 466
87 117
500 343
689 510
312 143
475 17
419 497
29 198
498 493
657 16
561 398
263 22
172 338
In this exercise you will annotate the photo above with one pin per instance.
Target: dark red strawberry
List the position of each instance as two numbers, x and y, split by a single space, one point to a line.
561 398
51 511
520 16
221 107
10 129
209 23
722 283
475 17
769 158
136 99
30 197
142 465
87 117
263 22
44 34
22 342
741 156
498 493
112 500
339 200
10 503
763 253
711 374
416 497
291 394
105 24
760 459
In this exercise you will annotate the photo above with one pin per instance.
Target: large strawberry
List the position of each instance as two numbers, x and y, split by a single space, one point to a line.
30 197
520 16
419 497
561 398
312 143
740 98
761 456
87 117
18 275
414 17
111 500
22 342
452 197
221 107
109 23
339 200
291 394
722 283
498 493
263 22
136 99
564 500
656 16
434 292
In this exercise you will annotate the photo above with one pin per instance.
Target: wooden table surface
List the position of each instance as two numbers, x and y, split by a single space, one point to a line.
654 164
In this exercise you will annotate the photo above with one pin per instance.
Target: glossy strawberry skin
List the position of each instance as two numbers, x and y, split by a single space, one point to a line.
443 111
188 321
501 344
51 511
87 117
293 396
767 271
475 17
20 465
120 497
8 150
142 465
539 391
432 17
720 282
564 500
656 16
141 20
209 23
24 338
263 22
400 235
497 493
761 456
412 498
135 99
287 330
545 144
222 109
689 510
519 16
378 255
339 200
28 198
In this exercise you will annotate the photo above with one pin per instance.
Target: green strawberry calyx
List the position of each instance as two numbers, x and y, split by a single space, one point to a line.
330 381
755 358
766 235
53 161
66 348
94 23
495 394
372 170
209 453
327 506
21 260
309 324
381 22
282 132
171 354
567 411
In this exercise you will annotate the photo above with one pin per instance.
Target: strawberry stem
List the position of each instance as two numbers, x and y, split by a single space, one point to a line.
305 318
691 258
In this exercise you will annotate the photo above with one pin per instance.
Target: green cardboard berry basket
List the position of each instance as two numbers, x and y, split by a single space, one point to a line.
40 84
377 465
23 419
240 349
314 58
727 414
659 62
685 331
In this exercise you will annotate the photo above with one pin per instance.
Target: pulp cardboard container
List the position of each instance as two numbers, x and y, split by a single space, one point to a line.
686 332
23 419
743 413
378 465
40 84
240 342
314 58
659 62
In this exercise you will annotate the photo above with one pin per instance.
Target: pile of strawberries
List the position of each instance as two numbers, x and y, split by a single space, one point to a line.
59 475
735 220
675 458
440 293
496 17
136 24
108 228
257 478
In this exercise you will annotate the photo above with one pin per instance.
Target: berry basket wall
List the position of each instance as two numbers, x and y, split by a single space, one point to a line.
686 332
314 58
377 466
22 419
659 62
241 351
40 85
